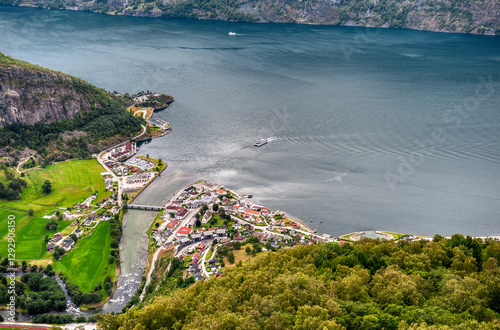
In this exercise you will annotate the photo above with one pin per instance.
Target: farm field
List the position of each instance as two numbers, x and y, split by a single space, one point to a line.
72 182
88 264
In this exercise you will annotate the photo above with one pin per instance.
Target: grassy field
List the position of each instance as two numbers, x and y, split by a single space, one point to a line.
219 222
72 181
88 263
239 255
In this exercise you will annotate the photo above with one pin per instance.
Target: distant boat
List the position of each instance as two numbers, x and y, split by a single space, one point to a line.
261 142
232 33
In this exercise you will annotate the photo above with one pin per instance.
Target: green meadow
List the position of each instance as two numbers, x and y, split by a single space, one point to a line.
88 264
72 182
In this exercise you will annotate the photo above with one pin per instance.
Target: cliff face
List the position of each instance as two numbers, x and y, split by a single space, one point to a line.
463 16
29 96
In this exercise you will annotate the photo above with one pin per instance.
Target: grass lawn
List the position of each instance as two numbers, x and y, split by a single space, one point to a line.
219 221
72 181
239 255
87 264
30 234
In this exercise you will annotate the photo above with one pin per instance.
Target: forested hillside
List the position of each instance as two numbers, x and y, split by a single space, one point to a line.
464 16
55 114
371 284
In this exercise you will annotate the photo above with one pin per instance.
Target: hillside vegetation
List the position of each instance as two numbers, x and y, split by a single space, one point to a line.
38 105
465 16
371 284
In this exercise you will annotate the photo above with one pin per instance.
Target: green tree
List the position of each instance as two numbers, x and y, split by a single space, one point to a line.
47 187
230 257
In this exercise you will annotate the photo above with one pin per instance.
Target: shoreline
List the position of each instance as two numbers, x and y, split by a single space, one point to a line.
297 22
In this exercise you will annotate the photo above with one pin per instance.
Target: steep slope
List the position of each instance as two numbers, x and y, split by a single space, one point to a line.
446 283
31 94
57 115
464 16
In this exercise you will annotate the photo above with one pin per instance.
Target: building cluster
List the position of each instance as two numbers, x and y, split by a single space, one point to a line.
121 152
85 216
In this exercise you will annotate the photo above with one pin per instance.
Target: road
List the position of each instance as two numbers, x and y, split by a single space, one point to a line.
203 267
183 223
24 160
113 175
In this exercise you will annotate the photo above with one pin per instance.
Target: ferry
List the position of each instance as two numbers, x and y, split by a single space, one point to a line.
232 33
261 142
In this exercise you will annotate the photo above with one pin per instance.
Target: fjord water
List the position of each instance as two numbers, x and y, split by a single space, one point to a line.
370 128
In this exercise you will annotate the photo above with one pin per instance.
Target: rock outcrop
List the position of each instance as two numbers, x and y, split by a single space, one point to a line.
30 94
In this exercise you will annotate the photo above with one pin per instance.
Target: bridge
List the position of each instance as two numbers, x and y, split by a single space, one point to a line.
145 207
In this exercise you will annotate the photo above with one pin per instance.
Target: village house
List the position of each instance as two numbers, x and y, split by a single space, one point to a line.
51 247
179 211
184 241
221 232
78 232
196 237
122 151
138 178
184 231
114 210
57 237
208 234
68 244
251 212
172 224
206 217
209 186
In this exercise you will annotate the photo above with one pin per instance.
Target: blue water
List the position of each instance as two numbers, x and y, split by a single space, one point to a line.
370 128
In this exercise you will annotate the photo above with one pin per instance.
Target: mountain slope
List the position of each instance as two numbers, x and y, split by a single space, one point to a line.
450 283
31 94
464 16
57 115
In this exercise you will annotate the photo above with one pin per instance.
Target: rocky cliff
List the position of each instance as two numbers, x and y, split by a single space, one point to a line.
30 94
462 16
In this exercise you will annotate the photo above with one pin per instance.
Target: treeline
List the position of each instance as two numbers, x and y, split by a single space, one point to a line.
370 284
37 291
62 319
115 231
14 188
45 294
107 118
79 297
157 102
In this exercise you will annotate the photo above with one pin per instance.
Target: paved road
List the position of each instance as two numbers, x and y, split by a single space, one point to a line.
116 177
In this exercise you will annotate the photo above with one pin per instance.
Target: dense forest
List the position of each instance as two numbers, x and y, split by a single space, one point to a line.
37 292
371 284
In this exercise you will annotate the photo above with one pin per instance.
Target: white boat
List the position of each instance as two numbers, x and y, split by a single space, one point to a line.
261 142
232 33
